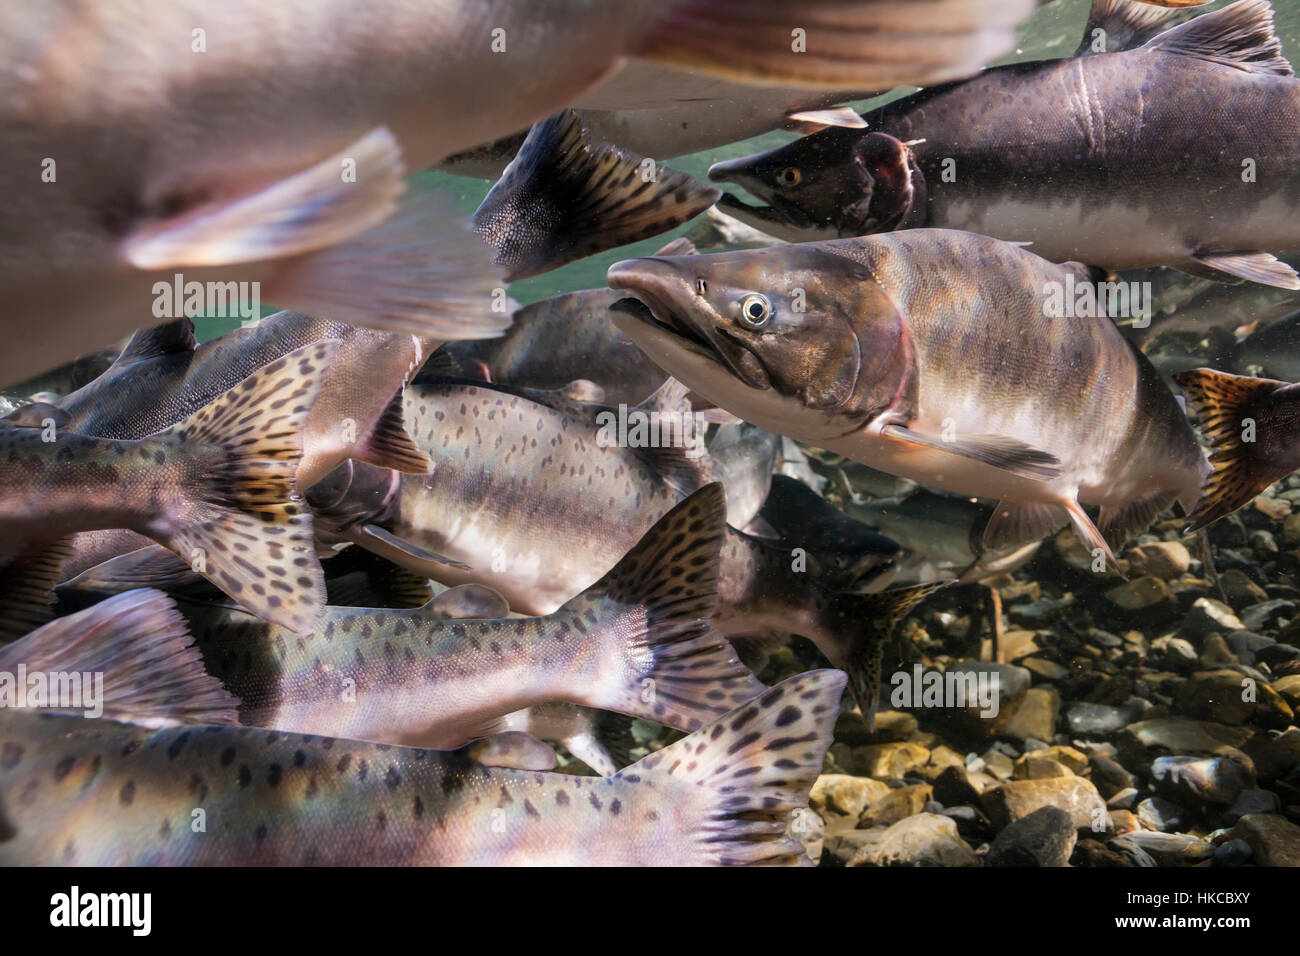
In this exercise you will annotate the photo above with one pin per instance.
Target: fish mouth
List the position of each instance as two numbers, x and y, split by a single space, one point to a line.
794 217
651 285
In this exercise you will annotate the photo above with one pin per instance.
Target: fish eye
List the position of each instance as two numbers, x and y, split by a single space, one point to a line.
755 310
701 287
789 176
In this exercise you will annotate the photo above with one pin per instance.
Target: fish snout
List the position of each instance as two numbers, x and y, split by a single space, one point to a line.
729 171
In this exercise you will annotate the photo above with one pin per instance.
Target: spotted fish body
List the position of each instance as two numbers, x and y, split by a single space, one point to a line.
933 355
638 641
719 796
1141 157
216 488
167 376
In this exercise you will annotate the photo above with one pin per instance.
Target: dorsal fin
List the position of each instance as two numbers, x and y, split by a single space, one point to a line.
1240 36
683 461
36 415
165 339
1124 25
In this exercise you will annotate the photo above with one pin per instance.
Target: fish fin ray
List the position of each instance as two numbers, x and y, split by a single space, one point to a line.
599 194
665 588
153 674
27 587
389 444
1223 401
750 769
1087 532
307 211
1126 23
1118 524
997 451
153 566
245 521
805 122
1020 522
1261 267
681 246
471 602
169 338
869 620
1240 36
407 554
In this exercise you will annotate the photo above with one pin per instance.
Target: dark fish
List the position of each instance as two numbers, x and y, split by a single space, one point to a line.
1099 158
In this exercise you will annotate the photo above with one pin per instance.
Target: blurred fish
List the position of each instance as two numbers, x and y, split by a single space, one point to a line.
638 641
720 796
69 377
716 230
1274 350
852 345
943 528
562 199
270 145
1253 426
216 488
745 457
1097 158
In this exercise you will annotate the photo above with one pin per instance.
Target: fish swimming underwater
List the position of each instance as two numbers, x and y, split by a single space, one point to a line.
893 351
638 642
1253 426
719 796
216 488
538 506
251 144
1098 158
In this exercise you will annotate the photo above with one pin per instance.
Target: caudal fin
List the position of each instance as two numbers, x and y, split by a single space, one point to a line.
243 527
138 645
659 657
1224 403
868 620
740 777
561 199
838 44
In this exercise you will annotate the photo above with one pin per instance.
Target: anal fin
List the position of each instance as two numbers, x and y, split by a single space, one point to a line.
1118 524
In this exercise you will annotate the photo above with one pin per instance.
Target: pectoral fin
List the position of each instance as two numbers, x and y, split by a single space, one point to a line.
411 556
1015 523
1258 267
997 451
814 121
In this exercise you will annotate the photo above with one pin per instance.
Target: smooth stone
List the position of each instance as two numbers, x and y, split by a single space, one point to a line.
1160 814
1130 852
1263 543
1216 780
1092 853
809 830
840 795
1246 644
1045 837
1218 696
1241 590
1232 853
1274 755
1019 798
1147 593
1109 776
1273 840
1215 652
1034 767
1075 760
1174 653
1164 559
1033 717
1125 799
895 805
1085 719
1252 801
1042 667
889 761
1208 615
953 787
1265 614
1141 742
926 839
1289 688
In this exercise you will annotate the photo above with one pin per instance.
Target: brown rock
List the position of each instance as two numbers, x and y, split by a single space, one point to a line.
926 839
1274 840
895 805
1075 795
842 796
889 761
1163 559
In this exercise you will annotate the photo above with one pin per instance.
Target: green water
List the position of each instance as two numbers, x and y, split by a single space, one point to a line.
1053 31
